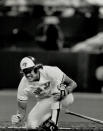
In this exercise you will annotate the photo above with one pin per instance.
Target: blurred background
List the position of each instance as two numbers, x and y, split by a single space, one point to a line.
63 33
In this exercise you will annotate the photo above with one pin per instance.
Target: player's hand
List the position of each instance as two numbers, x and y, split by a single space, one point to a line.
56 96
15 119
63 91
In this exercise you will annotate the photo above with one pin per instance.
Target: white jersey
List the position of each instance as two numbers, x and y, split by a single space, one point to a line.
50 78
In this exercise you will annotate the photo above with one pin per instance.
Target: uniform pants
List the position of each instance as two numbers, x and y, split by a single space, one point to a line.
42 110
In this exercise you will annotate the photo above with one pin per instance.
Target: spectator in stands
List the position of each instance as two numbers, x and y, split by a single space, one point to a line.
93 44
49 35
17 7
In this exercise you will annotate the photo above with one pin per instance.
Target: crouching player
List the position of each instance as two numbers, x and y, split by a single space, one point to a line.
51 88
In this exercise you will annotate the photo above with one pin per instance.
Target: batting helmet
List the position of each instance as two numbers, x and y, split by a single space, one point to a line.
27 62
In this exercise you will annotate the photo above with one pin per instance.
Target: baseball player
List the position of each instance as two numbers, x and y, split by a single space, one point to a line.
52 89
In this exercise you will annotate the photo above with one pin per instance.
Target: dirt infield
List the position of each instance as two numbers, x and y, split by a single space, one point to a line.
88 104
73 128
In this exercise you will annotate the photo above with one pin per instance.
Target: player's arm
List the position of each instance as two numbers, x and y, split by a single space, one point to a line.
22 98
21 112
70 84
66 87
22 105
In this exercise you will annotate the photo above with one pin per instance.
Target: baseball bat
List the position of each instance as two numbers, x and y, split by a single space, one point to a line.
85 117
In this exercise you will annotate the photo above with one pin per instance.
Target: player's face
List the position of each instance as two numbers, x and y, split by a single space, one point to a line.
31 74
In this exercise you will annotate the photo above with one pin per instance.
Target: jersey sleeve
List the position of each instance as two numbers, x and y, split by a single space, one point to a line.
55 73
22 93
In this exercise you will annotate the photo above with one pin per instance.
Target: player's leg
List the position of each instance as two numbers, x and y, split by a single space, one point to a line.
50 124
55 112
56 106
55 116
68 100
39 114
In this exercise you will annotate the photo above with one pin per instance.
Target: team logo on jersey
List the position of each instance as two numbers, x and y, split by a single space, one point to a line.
46 85
38 91
42 88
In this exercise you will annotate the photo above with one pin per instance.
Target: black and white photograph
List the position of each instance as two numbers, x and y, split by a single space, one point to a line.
51 65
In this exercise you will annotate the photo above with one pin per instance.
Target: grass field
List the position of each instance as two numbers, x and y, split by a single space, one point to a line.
87 104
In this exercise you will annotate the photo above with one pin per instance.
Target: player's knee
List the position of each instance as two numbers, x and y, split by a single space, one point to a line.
68 100
32 124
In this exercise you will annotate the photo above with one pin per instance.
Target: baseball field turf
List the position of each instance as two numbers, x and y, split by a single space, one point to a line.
88 104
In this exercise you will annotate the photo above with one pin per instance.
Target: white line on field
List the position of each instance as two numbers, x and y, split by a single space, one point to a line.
10 127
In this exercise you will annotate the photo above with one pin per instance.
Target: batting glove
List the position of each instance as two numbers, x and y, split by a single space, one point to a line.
61 94
63 91
16 119
56 96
